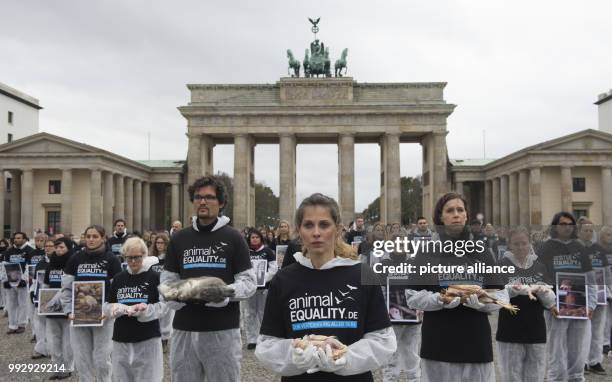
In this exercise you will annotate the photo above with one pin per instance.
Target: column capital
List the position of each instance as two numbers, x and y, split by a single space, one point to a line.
440 133
346 134
193 135
285 135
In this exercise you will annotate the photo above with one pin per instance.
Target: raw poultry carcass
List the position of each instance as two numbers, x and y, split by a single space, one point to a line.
484 296
338 348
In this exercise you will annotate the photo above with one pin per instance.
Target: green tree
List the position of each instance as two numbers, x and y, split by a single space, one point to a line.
412 202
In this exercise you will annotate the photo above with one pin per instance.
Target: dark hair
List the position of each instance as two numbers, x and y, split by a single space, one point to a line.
206 181
98 228
67 242
5 242
421 218
257 232
555 223
437 213
25 237
475 221
117 221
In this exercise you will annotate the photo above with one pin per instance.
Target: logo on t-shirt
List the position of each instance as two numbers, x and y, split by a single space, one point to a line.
446 279
596 260
567 262
157 268
35 259
211 257
336 309
17 258
92 270
55 275
116 248
133 295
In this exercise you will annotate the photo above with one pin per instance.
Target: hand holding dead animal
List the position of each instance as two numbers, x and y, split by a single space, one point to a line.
465 291
207 289
321 342
329 352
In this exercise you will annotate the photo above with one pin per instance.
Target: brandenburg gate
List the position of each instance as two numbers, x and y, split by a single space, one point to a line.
334 110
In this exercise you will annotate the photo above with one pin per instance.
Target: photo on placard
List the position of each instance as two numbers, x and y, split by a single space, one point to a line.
600 284
30 273
2 273
13 273
281 250
397 304
572 295
39 281
45 307
87 300
260 271
124 266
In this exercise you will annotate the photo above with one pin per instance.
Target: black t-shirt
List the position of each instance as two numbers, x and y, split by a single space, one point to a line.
330 302
461 334
88 266
355 236
527 326
114 243
568 257
19 256
293 247
159 267
221 253
36 256
607 253
131 289
264 254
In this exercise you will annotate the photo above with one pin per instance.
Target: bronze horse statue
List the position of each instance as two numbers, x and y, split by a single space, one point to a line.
341 64
293 64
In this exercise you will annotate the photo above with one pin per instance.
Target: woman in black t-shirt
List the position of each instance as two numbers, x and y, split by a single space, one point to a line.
456 339
135 306
322 294
521 337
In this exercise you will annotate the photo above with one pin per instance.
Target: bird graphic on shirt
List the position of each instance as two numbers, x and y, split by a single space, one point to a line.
343 293
351 287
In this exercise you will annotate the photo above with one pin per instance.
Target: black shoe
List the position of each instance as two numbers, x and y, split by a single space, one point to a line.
37 355
20 329
586 369
251 346
606 349
62 375
597 369
33 339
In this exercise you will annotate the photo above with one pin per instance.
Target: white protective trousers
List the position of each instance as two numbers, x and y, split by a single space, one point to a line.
17 300
165 324
138 361
436 371
39 324
91 347
608 326
197 355
58 342
598 323
521 362
567 348
406 357
253 315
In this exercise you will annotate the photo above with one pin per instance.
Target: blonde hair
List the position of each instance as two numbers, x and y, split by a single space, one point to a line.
341 249
277 233
134 242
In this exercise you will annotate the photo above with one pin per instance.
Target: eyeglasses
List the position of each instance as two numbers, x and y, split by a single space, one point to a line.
133 258
160 242
208 198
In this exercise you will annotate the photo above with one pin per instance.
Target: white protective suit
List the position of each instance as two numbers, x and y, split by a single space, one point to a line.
254 307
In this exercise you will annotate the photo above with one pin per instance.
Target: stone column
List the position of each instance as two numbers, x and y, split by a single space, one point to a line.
129 203
503 201
174 202
287 157
606 192
2 198
243 181
346 176
206 152
390 193
15 201
138 205
440 181
459 187
488 195
66 209
95 216
146 206
119 199
513 199
27 201
566 189
107 202
194 158
496 202
523 198
535 195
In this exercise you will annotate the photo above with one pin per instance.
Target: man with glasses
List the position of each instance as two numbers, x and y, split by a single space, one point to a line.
208 248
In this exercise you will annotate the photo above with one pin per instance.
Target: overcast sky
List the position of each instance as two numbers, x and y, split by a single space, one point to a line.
108 72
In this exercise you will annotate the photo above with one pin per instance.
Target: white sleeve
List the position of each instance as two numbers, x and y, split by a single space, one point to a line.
167 277
511 291
66 292
370 353
548 299
153 312
592 290
272 269
245 285
275 355
501 296
424 300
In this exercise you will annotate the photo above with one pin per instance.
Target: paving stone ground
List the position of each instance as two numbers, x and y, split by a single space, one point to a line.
16 348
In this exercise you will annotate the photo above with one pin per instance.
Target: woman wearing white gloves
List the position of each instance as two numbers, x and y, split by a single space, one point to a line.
456 338
521 337
134 303
322 294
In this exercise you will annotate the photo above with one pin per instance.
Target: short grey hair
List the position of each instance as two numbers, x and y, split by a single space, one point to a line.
134 242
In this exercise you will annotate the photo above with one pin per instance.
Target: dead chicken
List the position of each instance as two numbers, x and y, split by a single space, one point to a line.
209 289
319 341
464 291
